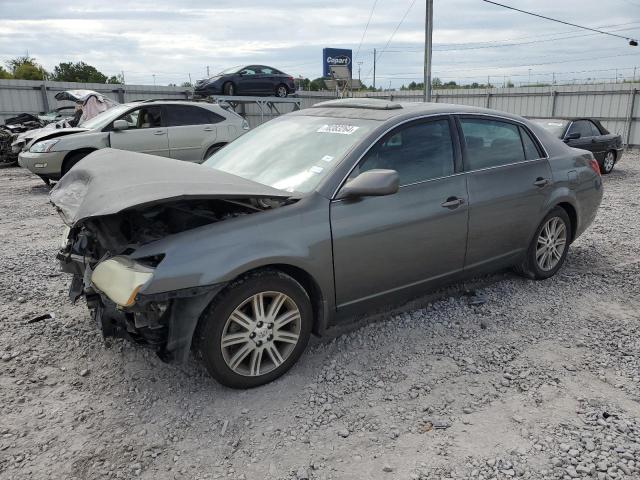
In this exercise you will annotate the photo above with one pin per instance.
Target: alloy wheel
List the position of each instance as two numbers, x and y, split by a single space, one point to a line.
281 91
552 242
609 161
261 333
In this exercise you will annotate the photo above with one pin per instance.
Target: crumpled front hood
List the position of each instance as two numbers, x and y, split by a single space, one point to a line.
52 132
109 181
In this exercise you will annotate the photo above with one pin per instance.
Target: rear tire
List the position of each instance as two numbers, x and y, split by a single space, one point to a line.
608 163
548 249
265 320
282 91
71 161
229 89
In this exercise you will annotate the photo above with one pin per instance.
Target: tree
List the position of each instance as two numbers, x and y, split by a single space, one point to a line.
186 84
117 79
4 74
77 72
26 68
317 84
436 82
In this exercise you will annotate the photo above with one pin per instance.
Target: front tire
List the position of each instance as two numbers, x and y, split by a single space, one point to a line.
548 249
282 91
608 162
255 330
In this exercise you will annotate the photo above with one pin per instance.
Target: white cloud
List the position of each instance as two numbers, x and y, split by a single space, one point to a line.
172 41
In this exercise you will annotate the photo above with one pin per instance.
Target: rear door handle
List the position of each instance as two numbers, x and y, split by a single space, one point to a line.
541 182
159 132
452 202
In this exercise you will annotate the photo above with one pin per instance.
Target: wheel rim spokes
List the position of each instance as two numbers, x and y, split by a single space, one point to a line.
261 333
551 243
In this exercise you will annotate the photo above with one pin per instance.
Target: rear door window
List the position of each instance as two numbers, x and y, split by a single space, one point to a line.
418 152
183 115
491 143
531 151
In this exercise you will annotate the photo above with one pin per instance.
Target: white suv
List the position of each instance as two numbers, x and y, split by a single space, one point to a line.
183 130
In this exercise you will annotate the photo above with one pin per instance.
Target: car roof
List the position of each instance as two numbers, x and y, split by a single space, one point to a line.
382 109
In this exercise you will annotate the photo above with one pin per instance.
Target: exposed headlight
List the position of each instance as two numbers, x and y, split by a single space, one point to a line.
120 279
43 146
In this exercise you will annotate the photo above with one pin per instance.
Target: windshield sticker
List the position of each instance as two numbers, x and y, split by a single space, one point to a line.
327 158
341 129
316 169
553 124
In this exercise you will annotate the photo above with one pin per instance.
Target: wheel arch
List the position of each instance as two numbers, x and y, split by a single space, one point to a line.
219 145
573 217
311 286
72 153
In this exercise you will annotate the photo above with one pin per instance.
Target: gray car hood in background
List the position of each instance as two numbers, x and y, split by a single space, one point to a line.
109 181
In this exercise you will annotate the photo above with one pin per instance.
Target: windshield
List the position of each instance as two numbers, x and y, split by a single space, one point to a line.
292 153
556 127
105 118
230 70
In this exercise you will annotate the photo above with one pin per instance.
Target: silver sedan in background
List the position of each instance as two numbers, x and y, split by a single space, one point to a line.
182 130
312 219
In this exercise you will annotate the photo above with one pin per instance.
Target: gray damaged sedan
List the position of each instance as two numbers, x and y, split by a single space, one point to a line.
311 219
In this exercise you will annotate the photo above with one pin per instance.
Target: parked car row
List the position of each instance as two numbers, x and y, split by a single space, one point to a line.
303 222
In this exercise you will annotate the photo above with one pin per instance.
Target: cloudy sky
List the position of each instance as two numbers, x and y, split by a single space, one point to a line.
472 39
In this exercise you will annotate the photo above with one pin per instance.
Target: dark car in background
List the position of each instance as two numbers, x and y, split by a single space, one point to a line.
587 134
249 80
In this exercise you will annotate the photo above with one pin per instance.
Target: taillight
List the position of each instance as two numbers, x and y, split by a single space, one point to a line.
595 166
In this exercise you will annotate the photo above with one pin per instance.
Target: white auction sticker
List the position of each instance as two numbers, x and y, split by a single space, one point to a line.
316 169
336 128
553 124
327 158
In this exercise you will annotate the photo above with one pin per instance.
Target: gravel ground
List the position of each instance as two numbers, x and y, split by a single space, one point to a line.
541 381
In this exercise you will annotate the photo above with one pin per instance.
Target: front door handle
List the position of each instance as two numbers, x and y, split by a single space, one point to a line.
208 129
541 182
452 202
159 132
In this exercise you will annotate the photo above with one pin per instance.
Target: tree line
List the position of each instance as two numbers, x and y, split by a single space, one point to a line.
27 68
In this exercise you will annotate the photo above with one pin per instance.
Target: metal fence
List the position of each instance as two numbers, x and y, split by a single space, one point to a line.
615 105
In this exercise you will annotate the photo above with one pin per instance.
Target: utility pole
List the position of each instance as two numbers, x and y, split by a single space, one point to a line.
122 72
428 37
529 77
154 79
207 71
190 82
374 69
359 65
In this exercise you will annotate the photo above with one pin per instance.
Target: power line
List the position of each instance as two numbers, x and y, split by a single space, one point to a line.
392 35
561 21
497 45
366 27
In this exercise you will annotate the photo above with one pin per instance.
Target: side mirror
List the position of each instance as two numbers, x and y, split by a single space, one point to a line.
372 183
120 125
572 136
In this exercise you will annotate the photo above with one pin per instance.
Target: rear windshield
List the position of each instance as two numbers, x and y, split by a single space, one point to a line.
556 127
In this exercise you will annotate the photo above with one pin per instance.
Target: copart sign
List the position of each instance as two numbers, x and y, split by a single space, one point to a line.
334 57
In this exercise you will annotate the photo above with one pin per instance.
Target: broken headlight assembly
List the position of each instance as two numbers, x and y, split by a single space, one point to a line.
121 278
44 146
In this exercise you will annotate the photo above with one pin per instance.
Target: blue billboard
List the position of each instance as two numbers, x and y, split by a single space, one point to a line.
332 57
